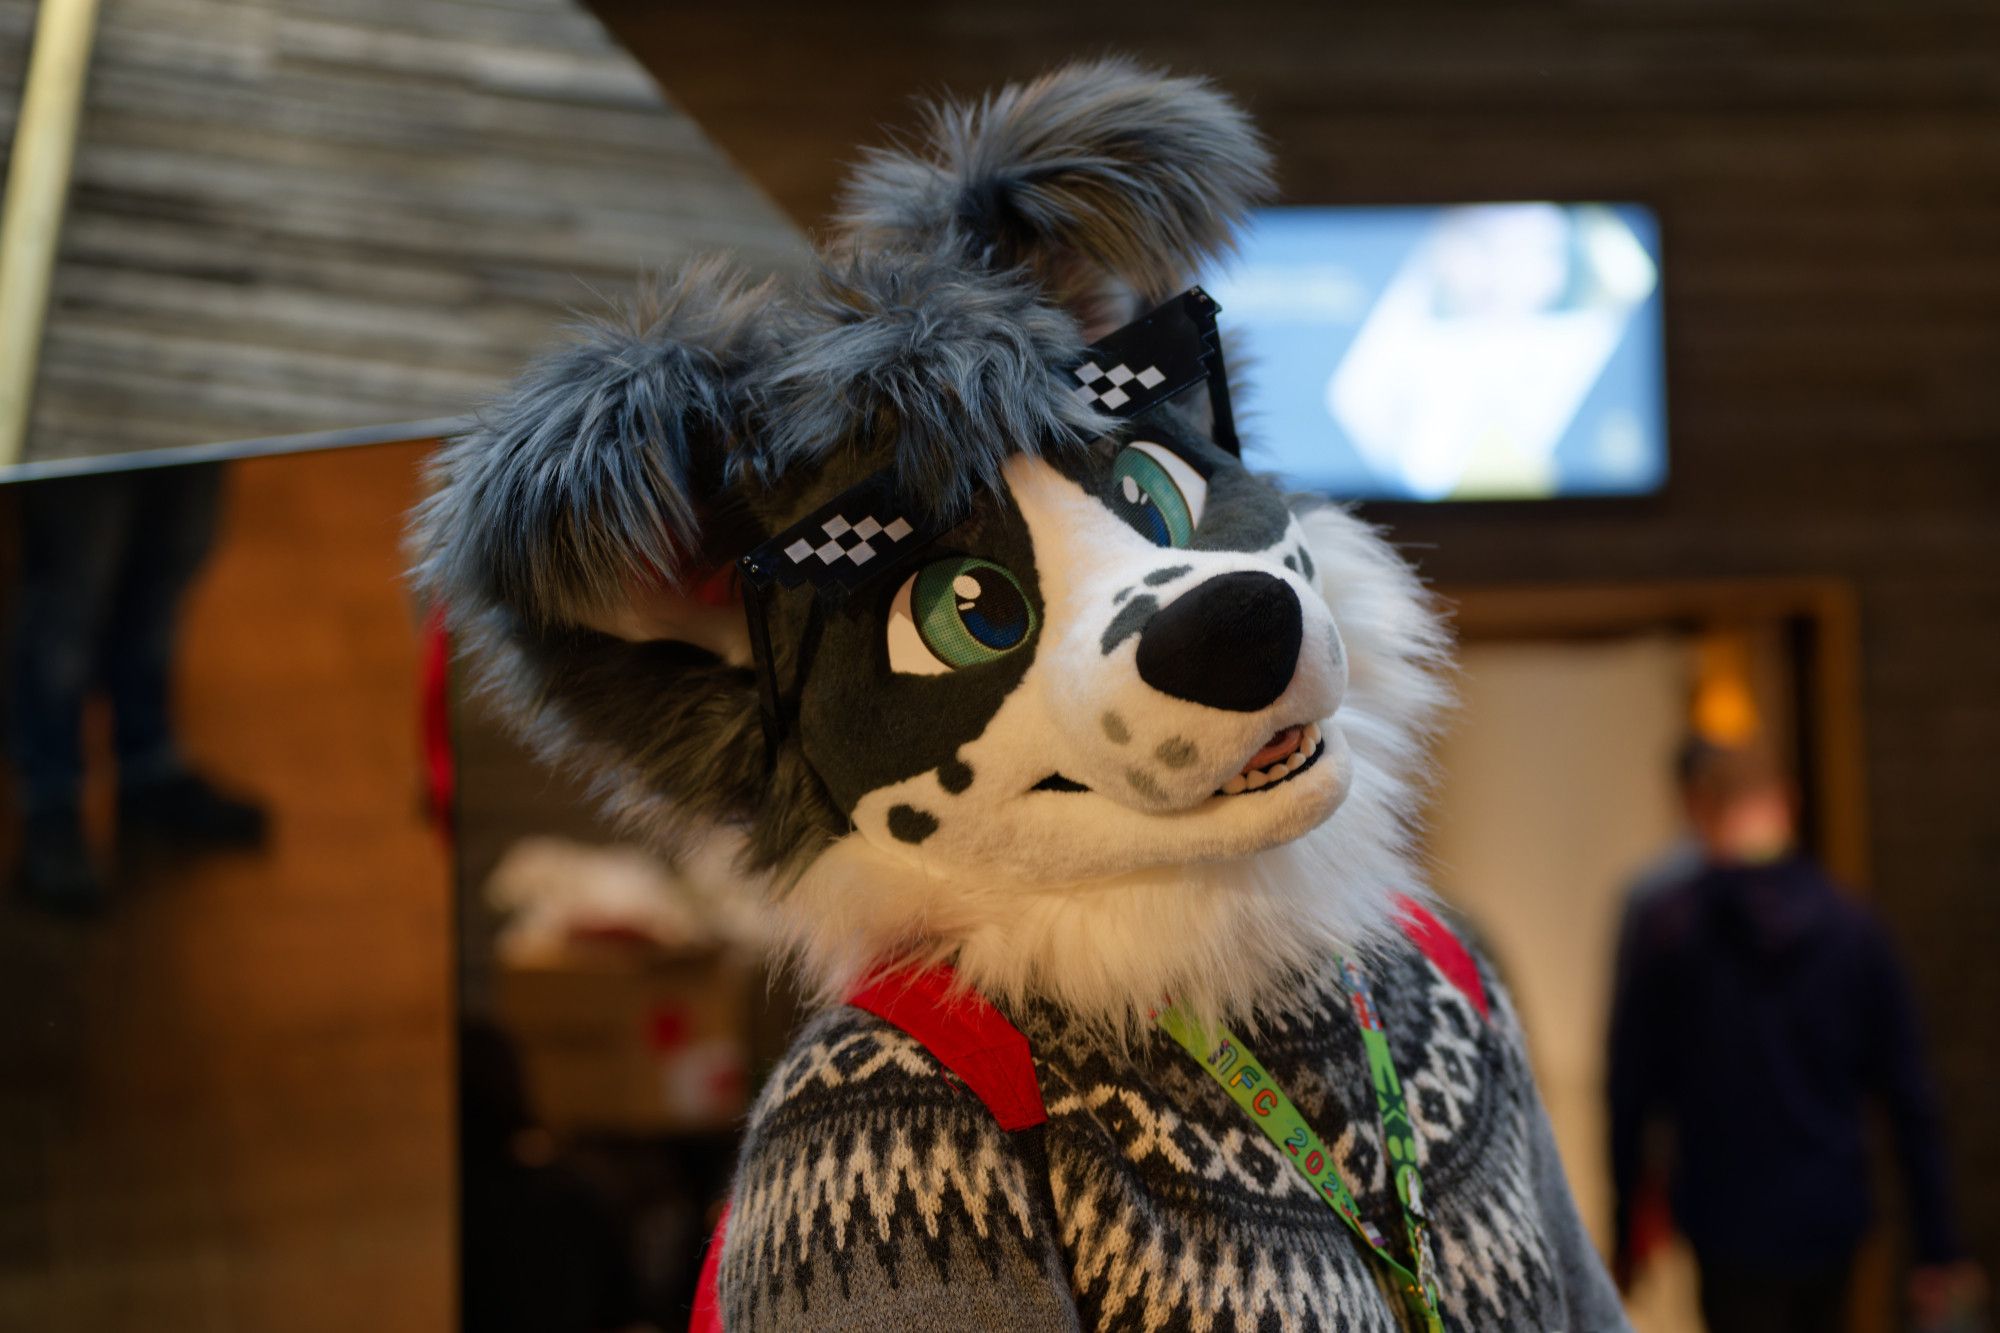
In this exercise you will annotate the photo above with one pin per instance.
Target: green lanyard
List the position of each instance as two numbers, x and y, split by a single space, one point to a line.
1229 1062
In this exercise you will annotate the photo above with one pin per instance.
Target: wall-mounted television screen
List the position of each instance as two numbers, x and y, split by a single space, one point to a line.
1482 351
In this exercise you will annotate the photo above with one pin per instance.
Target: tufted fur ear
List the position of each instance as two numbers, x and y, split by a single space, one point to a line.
587 495
1112 183
568 539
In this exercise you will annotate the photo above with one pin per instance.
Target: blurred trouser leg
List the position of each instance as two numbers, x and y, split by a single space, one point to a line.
1756 1298
174 515
174 518
73 534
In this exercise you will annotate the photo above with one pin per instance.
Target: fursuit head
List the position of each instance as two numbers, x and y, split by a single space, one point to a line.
1036 677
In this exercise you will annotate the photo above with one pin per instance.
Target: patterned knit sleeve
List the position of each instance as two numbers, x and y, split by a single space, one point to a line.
1590 1299
876 1192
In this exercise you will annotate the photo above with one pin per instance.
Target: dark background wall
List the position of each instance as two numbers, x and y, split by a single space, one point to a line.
1828 178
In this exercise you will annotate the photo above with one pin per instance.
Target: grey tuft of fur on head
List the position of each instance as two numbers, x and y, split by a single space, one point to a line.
913 360
1101 170
589 475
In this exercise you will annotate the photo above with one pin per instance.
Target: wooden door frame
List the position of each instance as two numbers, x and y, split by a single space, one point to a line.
1822 616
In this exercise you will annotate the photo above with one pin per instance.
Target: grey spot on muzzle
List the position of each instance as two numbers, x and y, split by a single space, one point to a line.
1142 782
1305 563
1177 752
954 775
1115 728
909 824
1167 575
1121 595
1131 618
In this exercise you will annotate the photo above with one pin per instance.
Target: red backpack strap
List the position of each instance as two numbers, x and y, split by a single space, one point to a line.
966 1034
707 1315
1435 940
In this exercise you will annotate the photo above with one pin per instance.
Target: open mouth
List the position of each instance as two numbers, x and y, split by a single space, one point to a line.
1286 755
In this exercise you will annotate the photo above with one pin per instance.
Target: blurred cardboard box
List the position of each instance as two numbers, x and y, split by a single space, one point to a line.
627 1037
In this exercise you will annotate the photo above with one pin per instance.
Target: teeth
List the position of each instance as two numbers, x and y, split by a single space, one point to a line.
1311 742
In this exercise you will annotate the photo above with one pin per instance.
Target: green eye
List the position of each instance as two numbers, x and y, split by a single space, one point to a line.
957 612
1157 493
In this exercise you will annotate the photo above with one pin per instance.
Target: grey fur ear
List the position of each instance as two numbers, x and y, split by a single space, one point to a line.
576 517
1103 178
588 486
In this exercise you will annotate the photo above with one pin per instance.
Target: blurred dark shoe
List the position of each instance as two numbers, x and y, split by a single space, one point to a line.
55 873
188 813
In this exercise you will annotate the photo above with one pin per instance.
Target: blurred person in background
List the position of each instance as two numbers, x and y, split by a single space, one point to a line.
1757 1011
106 562
541 1250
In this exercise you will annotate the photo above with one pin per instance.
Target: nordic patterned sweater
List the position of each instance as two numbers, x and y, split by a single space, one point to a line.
876 1192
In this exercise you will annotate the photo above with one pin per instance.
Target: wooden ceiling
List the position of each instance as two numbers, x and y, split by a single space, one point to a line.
1365 101
297 222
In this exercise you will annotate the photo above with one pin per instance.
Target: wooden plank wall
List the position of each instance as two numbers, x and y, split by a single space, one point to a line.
1828 177
304 215
227 1105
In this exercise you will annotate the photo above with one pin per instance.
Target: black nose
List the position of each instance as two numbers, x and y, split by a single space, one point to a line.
1231 642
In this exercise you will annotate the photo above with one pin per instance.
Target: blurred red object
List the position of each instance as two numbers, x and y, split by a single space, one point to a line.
434 721
1652 1222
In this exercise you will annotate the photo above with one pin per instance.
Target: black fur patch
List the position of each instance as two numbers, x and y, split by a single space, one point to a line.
864 726
1167 575
910 824
954 775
